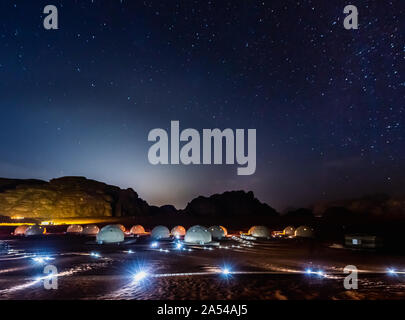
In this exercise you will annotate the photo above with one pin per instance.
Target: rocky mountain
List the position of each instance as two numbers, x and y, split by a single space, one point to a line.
70 197
231 203
67 197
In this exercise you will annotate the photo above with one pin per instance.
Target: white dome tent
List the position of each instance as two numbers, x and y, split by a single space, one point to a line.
198 235
178 231
35 230
90 230
259 232
110 234
217 232
289 231
160 232
20 230
304 232
137 229
74 228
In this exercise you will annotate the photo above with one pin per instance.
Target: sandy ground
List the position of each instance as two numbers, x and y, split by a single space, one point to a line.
273 269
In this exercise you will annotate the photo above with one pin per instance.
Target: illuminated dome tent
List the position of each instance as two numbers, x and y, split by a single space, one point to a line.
35 230
304 232
137 229
289 231
110 234
198 235
178 231
121 227
259 232
160 232
90 230
20 230
74 228
217 232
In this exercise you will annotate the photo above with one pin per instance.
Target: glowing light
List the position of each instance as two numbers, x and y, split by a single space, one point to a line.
141 275
95 254
41 259
226 271
319 272
154 244
179 245
391 271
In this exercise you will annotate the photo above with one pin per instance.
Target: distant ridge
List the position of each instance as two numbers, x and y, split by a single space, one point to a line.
72 197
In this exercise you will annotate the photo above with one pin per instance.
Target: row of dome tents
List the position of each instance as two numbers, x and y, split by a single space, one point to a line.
300 232
116 233
35 230
198 234
91 229
204 234
113 234
29 230
194 235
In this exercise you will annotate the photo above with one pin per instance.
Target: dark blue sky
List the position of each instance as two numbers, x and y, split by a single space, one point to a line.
328 104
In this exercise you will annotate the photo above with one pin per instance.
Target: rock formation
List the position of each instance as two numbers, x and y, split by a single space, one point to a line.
70 197
67 197
229 204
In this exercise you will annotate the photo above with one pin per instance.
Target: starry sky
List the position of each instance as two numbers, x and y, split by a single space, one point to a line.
328 103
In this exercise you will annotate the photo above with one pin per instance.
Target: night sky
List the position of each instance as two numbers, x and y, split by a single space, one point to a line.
328 103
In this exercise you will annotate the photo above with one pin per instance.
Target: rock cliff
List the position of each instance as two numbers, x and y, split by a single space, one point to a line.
229 204
67 197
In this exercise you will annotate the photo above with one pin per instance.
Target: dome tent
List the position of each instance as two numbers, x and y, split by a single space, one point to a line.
110 234
304 232
20 230
137 229
289 231
259 232
217 232
178 231
90 230
35 230
198 235
74 228
160 232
